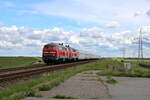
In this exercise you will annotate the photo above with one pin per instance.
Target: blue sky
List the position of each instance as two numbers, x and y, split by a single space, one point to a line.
106 26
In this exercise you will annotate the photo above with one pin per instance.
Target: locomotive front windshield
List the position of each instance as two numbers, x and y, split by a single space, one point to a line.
49 47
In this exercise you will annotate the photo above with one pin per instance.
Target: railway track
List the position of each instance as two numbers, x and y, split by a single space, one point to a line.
15 73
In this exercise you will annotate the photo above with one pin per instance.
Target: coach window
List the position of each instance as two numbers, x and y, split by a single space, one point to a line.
70 49
64 48
60 48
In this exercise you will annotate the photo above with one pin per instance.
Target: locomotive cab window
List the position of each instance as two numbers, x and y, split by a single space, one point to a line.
49 47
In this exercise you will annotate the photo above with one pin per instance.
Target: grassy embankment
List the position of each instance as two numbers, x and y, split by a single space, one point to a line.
48 81
136 71
10 62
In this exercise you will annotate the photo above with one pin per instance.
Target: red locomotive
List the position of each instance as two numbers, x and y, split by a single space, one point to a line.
54 52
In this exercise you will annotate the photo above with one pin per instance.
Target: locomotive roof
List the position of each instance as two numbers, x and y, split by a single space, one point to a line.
53 44
56 44
61 45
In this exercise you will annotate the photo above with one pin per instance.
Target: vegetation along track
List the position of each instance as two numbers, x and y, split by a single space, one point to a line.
19 73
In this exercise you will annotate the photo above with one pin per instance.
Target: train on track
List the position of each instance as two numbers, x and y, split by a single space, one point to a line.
59 53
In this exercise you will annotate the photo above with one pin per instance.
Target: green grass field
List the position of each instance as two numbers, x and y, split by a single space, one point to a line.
137 71
145 61
48 81
10 62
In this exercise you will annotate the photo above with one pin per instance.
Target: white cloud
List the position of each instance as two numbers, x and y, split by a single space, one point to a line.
113 25
1 24
8 44
94 32
137 13
92 39
148 13
32 42
145 30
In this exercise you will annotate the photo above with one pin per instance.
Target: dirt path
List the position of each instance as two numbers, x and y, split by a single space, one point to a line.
85 85
82 85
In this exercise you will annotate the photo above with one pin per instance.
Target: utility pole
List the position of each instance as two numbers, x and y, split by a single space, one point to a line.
140 50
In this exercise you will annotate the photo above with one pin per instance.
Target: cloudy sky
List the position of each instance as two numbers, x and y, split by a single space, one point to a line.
105 27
